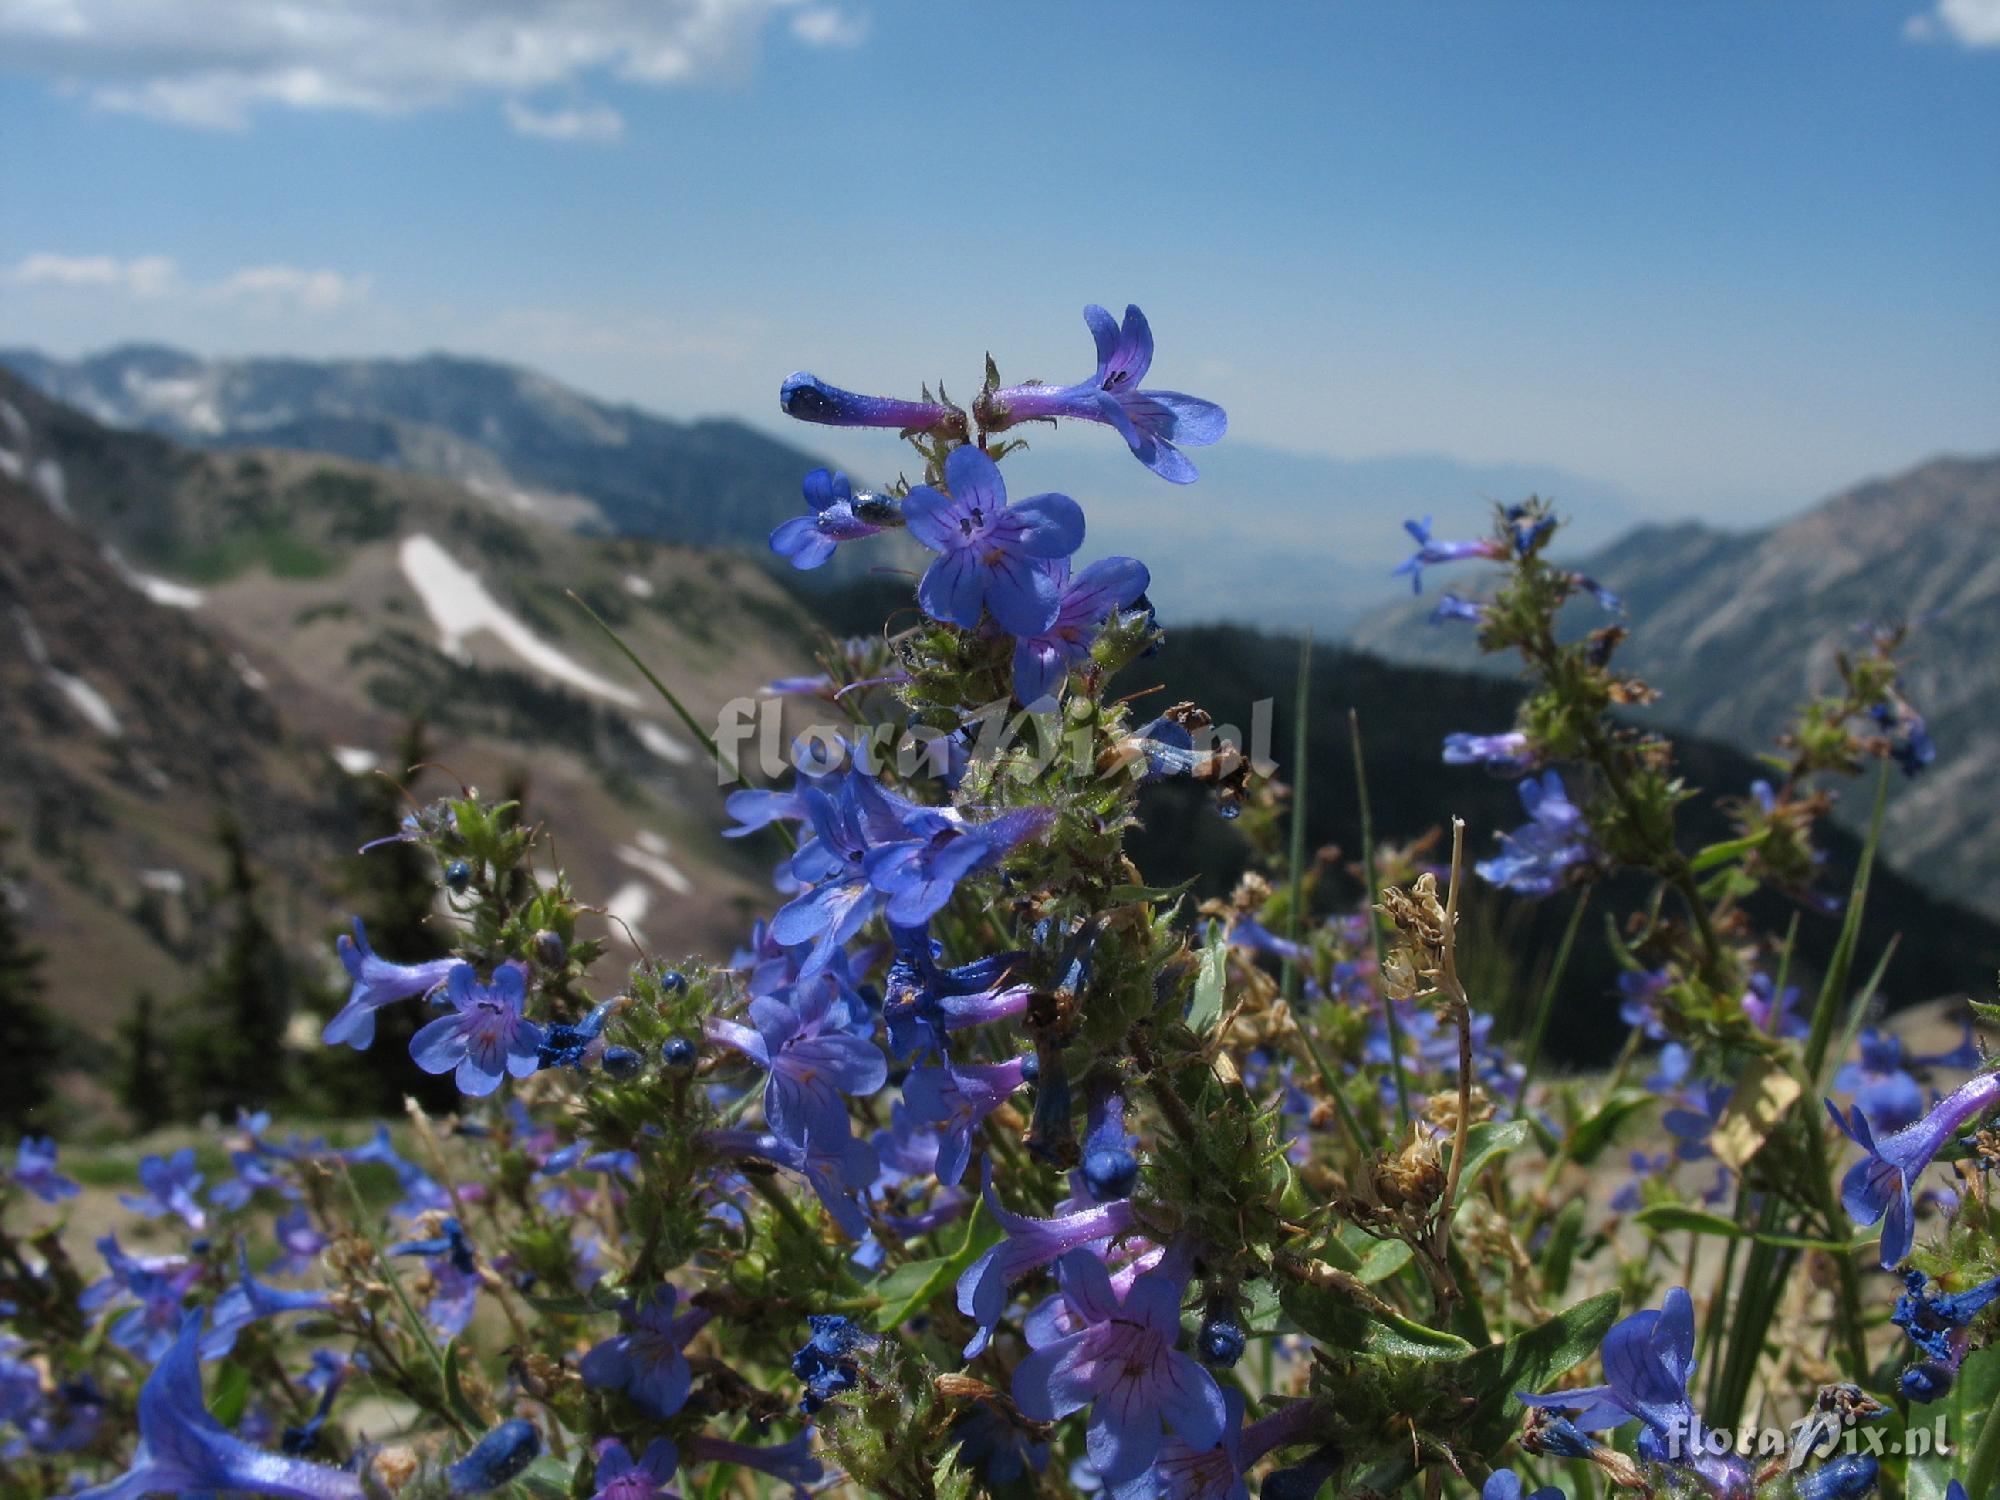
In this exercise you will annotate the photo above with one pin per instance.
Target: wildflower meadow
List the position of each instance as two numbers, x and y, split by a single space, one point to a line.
987 1166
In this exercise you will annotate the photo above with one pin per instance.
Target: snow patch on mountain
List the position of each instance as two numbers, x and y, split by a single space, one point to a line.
460 606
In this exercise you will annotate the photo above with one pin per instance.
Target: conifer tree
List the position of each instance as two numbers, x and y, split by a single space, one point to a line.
143 1086
28 1039
231 1041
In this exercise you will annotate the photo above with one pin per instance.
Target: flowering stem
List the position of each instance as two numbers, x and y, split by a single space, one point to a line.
1461 1016
1391 1025
1532 1053
1294 916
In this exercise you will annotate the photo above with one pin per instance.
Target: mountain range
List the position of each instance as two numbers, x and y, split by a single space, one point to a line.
224 629
246 631
1736 627
1324 535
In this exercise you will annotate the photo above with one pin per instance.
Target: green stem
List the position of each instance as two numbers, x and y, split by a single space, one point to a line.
1295 915
1390 1021
1533 1051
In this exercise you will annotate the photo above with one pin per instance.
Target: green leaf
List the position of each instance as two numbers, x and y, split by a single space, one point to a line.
232 1394
1488 1141
1561 1250
454 1391
1671 1218
1392 1333
1206 1008
1128 895
908 1290
1383 1260
1588 1140
1724 852
1530 1361
549 1477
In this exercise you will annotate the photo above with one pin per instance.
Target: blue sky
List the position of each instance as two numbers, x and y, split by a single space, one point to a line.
1725 256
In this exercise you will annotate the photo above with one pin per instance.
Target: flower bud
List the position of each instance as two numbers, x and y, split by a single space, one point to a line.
458 874
497 1458
1220 1341
622 1063
1848 1477
1110 1172
678 1053
549 949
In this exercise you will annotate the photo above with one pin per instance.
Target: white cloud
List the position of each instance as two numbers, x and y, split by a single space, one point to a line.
147 276
214 63
829 26
597 122
1970 23
156 278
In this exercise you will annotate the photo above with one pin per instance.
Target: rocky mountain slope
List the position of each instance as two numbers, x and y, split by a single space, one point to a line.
247 629
1735 628
524 441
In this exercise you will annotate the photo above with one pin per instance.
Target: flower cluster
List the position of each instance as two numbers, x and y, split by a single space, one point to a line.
985 1166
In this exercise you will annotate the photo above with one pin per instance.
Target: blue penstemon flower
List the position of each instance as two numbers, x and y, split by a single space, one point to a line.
486 1037
835 515
1043 661
810 399
990 552
1535 858
377 982
1152 422
1123 1364
1878 1188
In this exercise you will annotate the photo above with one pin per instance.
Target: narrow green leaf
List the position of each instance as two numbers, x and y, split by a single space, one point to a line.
1532 1360
454 1391
1488 1141
1724 852
1588 1140
1672 1218
1206 1008
908 1290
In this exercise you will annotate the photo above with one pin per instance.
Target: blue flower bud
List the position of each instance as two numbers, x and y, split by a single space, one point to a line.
1110 1172
550 950
1930 1381
458 874
200 1245
1220 1341
498 1457
622 1063
1848 1477
673 981
677 1052
1031 1068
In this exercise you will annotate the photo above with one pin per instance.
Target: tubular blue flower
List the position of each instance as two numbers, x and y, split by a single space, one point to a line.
1430 553
620 1476
836 1169
421 1193
1882 1079
1508 753
35 1170
1043 661
1122 1364
1775 1014
1878 1187
1028 1245
989 552
1607 601
810 399
486 1037
157 1283
789 1463
300 1241
1505 1484
1848 1477
918 875
1648 1363
825 1364
566 1045
453 1273
924 1002
183 1450
1108 1168
1451 607
250 1301
377 983
814 1063
836 515
646 1361
850 819
495 1459
1910 743
1535 857
1151 422
251 1173
1936 1322
955 1098
170 1183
